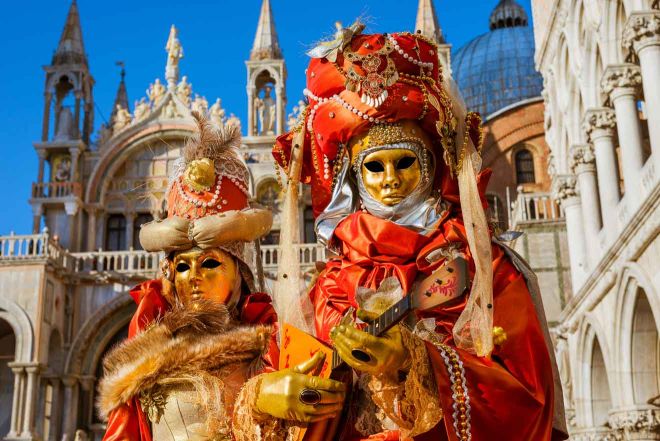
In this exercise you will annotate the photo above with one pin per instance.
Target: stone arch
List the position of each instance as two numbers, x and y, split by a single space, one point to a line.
117 154
612 32
56 354
633 285
95 334
273 73
52 81
593 387
20 323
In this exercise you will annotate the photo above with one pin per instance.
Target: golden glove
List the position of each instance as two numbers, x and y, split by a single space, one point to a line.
286 394
384 355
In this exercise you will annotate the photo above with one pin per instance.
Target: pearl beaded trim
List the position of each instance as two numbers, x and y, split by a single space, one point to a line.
220 174
336 98
420 63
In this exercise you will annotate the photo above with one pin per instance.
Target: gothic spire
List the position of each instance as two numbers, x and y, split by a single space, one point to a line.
70 49
427 21
121 99
266 45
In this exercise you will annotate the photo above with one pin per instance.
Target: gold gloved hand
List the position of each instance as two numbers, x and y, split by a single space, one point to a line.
386 354
280 393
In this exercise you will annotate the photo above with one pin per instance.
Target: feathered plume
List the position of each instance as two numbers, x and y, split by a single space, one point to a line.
211 142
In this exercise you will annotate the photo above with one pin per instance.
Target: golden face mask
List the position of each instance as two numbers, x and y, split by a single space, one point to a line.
205 274
389 175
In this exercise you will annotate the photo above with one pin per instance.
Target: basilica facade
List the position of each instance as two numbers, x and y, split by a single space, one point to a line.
64 287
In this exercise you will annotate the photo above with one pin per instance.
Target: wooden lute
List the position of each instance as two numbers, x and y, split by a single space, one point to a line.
447 283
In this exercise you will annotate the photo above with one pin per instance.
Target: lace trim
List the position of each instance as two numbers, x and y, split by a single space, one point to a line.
250 425
412 404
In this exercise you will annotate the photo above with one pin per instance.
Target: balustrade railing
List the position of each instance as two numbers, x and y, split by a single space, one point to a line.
131 263
55 189
309 253
535 207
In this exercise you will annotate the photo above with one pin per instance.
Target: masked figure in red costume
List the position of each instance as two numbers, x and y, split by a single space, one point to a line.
392 159
201 359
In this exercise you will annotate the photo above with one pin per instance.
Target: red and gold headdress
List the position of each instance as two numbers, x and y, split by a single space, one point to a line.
357 82
360 81
208 198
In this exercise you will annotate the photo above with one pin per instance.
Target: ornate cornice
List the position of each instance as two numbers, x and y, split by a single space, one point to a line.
563 188
582 158
599 119
596 434
642 30
620 76
643 423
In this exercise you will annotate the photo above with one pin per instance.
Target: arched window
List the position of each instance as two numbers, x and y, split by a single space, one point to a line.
140 220
600 389
524 167
645 351
115 238
7 351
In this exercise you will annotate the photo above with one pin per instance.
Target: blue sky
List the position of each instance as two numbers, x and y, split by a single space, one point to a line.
216 37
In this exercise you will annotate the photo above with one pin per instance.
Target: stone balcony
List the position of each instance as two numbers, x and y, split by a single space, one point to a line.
534 208
55 190
105 266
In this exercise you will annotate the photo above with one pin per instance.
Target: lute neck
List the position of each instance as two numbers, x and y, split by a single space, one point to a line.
383 323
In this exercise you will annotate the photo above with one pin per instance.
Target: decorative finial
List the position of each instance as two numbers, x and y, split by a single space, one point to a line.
174 54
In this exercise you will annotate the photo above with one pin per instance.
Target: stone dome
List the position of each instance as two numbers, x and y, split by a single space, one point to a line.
496 69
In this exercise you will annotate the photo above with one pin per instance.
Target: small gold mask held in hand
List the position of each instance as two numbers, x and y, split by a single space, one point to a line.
204 274
389 175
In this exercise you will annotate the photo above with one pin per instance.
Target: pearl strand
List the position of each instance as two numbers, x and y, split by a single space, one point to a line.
423 64
341 102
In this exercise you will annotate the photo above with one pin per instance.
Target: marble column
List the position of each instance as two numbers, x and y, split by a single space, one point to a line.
130 220
620 82
642 34
42 163
30 401
566 194
17 400
91 227
599 124
70 415
45 127
75 156
584 167
76 129
37 212
251 93
281 102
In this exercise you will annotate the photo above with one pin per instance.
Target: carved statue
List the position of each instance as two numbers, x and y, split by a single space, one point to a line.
174 54
293 117
122 119
184 90
200 105
233 121
81 435
217 113
64 124
266 112
141 109
156 92
170 110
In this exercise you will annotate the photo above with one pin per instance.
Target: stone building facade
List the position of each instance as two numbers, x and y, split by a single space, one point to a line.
64 288
600 61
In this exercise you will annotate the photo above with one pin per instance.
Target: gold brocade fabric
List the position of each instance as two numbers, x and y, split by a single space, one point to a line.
250 425
413 404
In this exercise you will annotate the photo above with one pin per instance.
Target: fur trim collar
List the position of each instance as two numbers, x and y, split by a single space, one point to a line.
184 344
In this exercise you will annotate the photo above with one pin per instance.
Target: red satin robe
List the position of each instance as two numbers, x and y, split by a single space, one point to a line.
128 422
511 393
